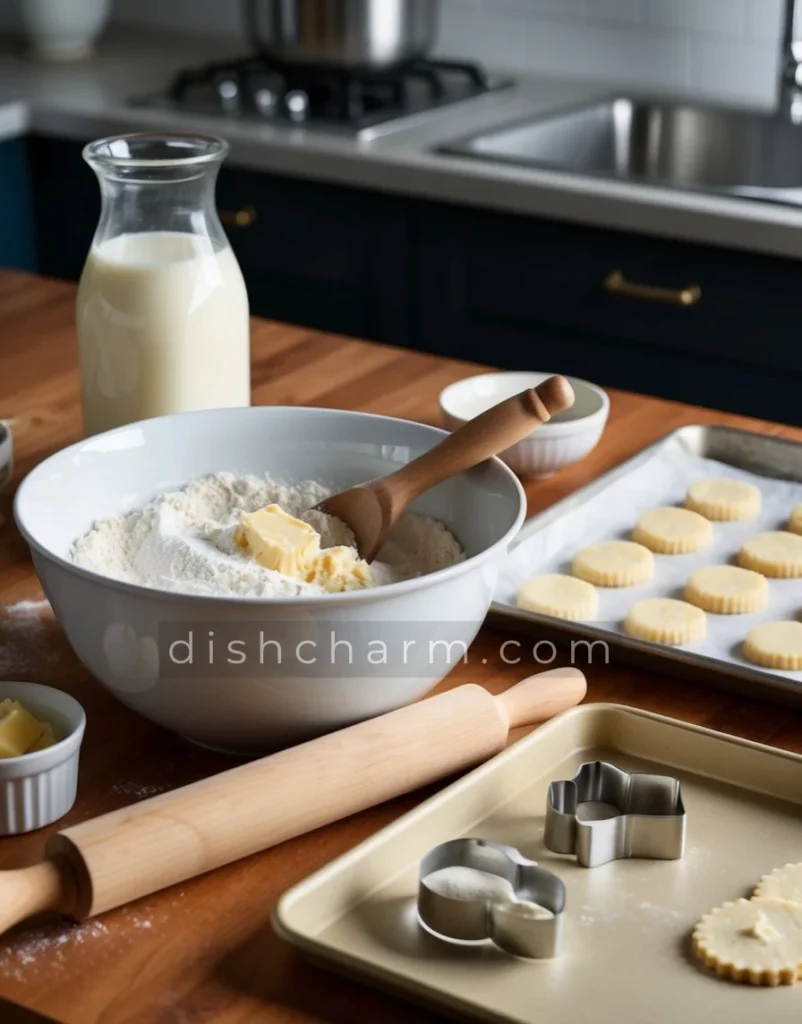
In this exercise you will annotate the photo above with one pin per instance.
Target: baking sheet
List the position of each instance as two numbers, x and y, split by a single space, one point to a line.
626 955
662 478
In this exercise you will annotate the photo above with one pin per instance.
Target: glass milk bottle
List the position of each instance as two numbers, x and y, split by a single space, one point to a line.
162 309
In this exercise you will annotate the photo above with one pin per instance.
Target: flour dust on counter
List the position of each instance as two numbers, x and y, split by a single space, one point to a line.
50 947
23 632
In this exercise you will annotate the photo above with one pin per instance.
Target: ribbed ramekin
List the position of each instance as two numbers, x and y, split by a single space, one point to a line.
39 788
566 439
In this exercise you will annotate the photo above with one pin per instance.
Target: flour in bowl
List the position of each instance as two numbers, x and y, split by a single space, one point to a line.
190 541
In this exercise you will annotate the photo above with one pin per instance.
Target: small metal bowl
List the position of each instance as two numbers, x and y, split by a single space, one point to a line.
39 788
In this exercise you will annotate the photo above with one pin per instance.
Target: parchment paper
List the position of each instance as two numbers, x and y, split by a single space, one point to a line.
663 480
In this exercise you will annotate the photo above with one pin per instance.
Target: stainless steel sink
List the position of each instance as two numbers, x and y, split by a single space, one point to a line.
698 148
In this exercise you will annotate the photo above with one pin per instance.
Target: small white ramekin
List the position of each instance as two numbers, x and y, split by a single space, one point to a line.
37 789
6 455
566 439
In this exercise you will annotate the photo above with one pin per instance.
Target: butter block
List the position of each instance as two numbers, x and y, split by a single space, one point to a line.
47 739
19 730
340 568
278 541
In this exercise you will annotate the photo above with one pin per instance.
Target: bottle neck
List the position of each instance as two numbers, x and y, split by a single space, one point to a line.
152 199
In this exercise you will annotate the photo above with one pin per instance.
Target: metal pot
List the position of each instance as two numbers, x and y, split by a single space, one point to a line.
368 34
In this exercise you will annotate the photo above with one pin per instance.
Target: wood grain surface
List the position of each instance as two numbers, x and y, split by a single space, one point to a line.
204 951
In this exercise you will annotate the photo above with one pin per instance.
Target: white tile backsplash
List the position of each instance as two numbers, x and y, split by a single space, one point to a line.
711 63
720 17
205 17
625 12
764 19
635 58
710 49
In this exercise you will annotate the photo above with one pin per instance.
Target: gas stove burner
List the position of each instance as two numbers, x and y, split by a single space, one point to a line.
358 102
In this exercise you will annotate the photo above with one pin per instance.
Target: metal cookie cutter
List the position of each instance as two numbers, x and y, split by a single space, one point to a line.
513 924
644 815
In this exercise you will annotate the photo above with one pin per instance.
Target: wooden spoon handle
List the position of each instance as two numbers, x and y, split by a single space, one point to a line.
494 431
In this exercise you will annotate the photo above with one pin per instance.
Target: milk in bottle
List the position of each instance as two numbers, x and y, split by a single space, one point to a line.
162 310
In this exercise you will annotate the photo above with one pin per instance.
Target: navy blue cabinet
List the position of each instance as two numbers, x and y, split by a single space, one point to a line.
528 293
17 242
319 255
67 205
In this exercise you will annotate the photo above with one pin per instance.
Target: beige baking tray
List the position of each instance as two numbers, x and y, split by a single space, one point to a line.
625 952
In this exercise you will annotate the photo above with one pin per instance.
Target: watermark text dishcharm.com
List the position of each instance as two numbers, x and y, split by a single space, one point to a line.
349 649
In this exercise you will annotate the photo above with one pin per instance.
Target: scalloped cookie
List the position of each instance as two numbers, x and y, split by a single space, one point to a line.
722 499
795 520
782 884
565 597
614 563
775 645
777 554
757 941
666 621
673 531
727 590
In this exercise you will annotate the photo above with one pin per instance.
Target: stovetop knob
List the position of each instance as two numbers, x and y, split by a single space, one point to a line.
265 100
228 91
297 103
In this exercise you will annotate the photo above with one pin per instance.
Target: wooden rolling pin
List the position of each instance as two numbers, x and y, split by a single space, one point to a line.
129 853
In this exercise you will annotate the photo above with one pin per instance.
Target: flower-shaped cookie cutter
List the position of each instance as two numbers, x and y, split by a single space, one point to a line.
605 813
514 925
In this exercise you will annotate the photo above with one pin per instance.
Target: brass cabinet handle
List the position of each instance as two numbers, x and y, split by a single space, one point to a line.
242 218
617 284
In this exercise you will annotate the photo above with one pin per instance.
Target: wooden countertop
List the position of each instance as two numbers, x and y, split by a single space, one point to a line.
205 951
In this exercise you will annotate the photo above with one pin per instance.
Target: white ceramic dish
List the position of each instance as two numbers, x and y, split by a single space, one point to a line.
6 455
567 438
39 788
121 631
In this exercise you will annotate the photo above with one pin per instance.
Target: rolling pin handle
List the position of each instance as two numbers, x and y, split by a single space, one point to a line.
542 696
47 886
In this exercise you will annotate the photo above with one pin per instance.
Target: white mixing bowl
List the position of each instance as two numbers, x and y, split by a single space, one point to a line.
123 633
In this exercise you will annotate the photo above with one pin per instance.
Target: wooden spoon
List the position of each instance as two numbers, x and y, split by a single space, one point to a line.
372 509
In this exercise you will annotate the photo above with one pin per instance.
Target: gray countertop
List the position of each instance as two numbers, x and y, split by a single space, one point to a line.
90 98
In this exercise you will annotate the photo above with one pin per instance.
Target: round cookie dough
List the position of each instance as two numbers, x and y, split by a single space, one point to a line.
723 500
795 521
782 884
565 597
614 563
777 554
727 590
673 531
758 941
775 645
666 621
